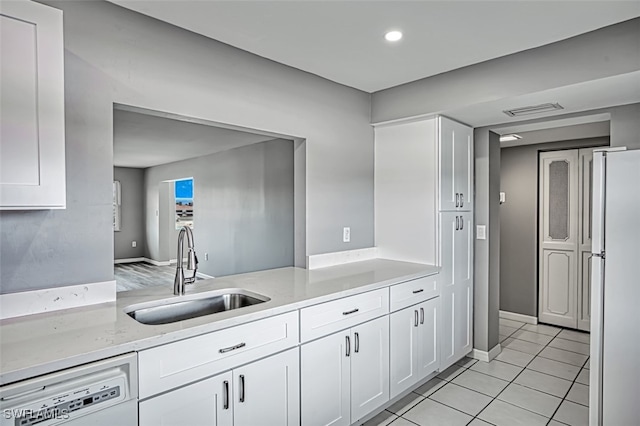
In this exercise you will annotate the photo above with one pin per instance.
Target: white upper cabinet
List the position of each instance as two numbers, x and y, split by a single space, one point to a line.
456 165
32 155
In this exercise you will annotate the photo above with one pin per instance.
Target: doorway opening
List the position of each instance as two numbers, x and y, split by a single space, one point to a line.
535 181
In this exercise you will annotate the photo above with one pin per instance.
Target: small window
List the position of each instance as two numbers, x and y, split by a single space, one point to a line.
184 203
117 205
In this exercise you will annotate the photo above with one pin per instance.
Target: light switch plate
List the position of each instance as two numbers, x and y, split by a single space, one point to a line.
503 197
481 232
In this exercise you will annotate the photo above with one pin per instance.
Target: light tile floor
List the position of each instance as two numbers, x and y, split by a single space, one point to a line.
540 378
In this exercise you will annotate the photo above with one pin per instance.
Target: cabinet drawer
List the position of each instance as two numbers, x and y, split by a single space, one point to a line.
326 318
169 366
414 291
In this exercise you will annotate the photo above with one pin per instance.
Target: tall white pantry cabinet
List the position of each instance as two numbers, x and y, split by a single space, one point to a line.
424 214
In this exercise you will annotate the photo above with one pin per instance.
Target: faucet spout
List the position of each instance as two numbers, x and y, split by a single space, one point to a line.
192 262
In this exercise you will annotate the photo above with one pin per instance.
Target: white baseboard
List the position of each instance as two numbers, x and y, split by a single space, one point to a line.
157 262
129 260
205 276
518 317
145 259
56 298
486 356
341 257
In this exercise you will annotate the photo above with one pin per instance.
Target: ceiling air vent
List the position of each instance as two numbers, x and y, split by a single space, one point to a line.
536 109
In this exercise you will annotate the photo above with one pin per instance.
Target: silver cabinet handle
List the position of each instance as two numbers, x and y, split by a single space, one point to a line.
353 311
457 223
461 223
416 318
242 388
225 392
357 348
233 348
457 199
348 345
461 200
421 315
418 291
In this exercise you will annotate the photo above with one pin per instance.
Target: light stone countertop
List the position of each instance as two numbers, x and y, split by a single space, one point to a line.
38 344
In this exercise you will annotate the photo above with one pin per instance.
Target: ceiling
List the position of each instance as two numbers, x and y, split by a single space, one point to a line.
621 89
343 40
598 129
143 140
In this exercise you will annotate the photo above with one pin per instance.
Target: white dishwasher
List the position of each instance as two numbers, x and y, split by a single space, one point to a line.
103 393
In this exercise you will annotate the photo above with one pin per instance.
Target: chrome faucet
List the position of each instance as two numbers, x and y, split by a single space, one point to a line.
192 262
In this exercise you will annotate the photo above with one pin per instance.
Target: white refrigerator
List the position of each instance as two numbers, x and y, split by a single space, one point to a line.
614 394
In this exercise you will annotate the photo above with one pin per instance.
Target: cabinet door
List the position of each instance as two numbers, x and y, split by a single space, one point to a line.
325 380
463 146
32 155
369 367
463 278
267 391
205 403
463 248
449 224
403 349
428 347
456 165
447 164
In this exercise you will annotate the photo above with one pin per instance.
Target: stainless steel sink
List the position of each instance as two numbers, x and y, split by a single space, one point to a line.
179 309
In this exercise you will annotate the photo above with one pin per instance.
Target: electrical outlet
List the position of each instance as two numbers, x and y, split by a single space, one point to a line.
134 244
206 256
346 234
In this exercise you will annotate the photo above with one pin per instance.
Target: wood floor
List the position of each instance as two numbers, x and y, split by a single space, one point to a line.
138 275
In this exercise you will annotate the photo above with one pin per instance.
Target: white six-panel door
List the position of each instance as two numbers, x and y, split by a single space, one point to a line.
585 183
565 238
558 276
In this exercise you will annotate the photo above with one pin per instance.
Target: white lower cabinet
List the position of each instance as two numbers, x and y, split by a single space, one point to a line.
345 375
201 403
263 392
414 349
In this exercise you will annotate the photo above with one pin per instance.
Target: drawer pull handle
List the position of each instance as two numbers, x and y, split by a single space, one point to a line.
225 404
242 388
421 315
353 311
233 348
418 291
348 345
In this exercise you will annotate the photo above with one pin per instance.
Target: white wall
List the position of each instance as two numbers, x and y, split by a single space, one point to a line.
115 55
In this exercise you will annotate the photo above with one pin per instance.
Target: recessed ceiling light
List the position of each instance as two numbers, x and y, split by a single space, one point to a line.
393 36
509 138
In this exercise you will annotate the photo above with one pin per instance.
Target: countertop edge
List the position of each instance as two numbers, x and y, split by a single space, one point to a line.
26 373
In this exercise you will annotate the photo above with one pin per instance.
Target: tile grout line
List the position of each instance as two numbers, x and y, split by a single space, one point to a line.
524 368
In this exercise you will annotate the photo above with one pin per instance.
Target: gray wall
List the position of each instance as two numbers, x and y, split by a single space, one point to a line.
625 126
243 208
606 52
519 223
131 213
116 55
486 252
